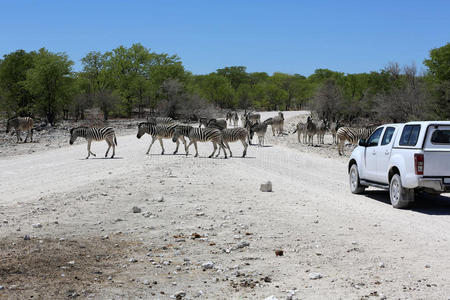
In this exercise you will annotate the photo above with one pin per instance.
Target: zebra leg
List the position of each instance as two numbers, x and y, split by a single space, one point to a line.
162 145
229 149
187 148
26 138
153 140
109 147
184 143
196 149
214 150
217 155
176 149
114 148
89 146
88 149
19 139
31 135
245 147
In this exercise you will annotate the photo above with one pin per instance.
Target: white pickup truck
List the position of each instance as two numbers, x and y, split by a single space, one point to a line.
403 158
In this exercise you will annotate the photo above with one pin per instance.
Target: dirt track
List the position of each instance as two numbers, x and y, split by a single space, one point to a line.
361 246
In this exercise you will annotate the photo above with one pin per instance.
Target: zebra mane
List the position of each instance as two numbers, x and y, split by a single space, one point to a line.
79 127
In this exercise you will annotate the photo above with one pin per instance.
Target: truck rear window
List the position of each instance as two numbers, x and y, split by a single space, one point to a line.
440 137
410 135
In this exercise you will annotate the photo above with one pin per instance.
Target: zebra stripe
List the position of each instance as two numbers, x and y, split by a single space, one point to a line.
95 134
233 135
161 120
159 132
352 135
196 134
20 124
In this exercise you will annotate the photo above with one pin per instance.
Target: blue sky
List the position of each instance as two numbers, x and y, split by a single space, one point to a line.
285 36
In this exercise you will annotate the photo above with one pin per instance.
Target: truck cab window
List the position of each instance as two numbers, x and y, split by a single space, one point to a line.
375 138
387 137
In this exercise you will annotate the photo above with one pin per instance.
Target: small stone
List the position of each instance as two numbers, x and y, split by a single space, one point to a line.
105 237
136 210
5 221
208 265
160 199
26 237
199 214
1 287
146 282
427 266
279 252
242 244
271 298
266 187
381 265
72 262
37 225
132 260
314 276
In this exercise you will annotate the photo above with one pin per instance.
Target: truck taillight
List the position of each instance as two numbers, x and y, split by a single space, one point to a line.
419 164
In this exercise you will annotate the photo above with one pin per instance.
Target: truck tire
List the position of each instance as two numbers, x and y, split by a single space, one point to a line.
355 185
400 197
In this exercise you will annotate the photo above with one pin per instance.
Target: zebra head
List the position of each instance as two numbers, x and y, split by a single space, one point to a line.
142 129
73 135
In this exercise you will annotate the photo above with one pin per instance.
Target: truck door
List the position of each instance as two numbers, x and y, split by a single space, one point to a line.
370 155
384 154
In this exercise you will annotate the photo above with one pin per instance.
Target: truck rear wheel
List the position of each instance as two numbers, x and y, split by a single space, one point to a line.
400 197
355 185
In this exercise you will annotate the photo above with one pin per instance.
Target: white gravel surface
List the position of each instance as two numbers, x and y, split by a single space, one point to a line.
204 229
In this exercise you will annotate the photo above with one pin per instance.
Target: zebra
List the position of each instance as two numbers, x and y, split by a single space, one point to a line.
235 119
311 130
229 117
20 124
334 128
233 135
301 129
353 135
217 123
160 120
254 118
96 134
322 127
159 132
196 134
260 130
278 124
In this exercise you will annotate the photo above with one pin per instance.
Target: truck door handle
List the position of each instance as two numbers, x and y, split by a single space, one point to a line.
387 152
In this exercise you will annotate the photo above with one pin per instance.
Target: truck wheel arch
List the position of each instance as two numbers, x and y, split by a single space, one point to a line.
392 171
351 163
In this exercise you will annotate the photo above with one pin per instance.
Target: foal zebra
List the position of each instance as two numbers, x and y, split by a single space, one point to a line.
159 132
353 135
20 124
233 135
200 135
95 134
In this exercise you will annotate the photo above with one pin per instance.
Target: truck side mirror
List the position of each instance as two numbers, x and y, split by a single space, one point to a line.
362 143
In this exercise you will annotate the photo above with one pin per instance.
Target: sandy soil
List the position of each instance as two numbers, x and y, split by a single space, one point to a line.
162 227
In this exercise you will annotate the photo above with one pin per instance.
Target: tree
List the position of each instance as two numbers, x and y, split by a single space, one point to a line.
237 75
49 82
17 99
439 62
217 89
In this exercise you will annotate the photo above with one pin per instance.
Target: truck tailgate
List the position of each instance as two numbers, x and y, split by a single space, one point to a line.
437 151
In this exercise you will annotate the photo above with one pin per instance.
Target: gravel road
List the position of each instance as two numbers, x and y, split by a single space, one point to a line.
161 227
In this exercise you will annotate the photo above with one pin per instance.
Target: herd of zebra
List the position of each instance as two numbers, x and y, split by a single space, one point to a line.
213 130
340 134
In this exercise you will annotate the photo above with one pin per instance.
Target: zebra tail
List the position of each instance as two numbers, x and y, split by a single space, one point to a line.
115 140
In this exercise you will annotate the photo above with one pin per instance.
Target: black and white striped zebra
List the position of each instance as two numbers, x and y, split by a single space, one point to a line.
352 135
278 124
159 132
217 123
160 120
20 124
235 119
196 134
301 129
260 129
233 135
95 134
